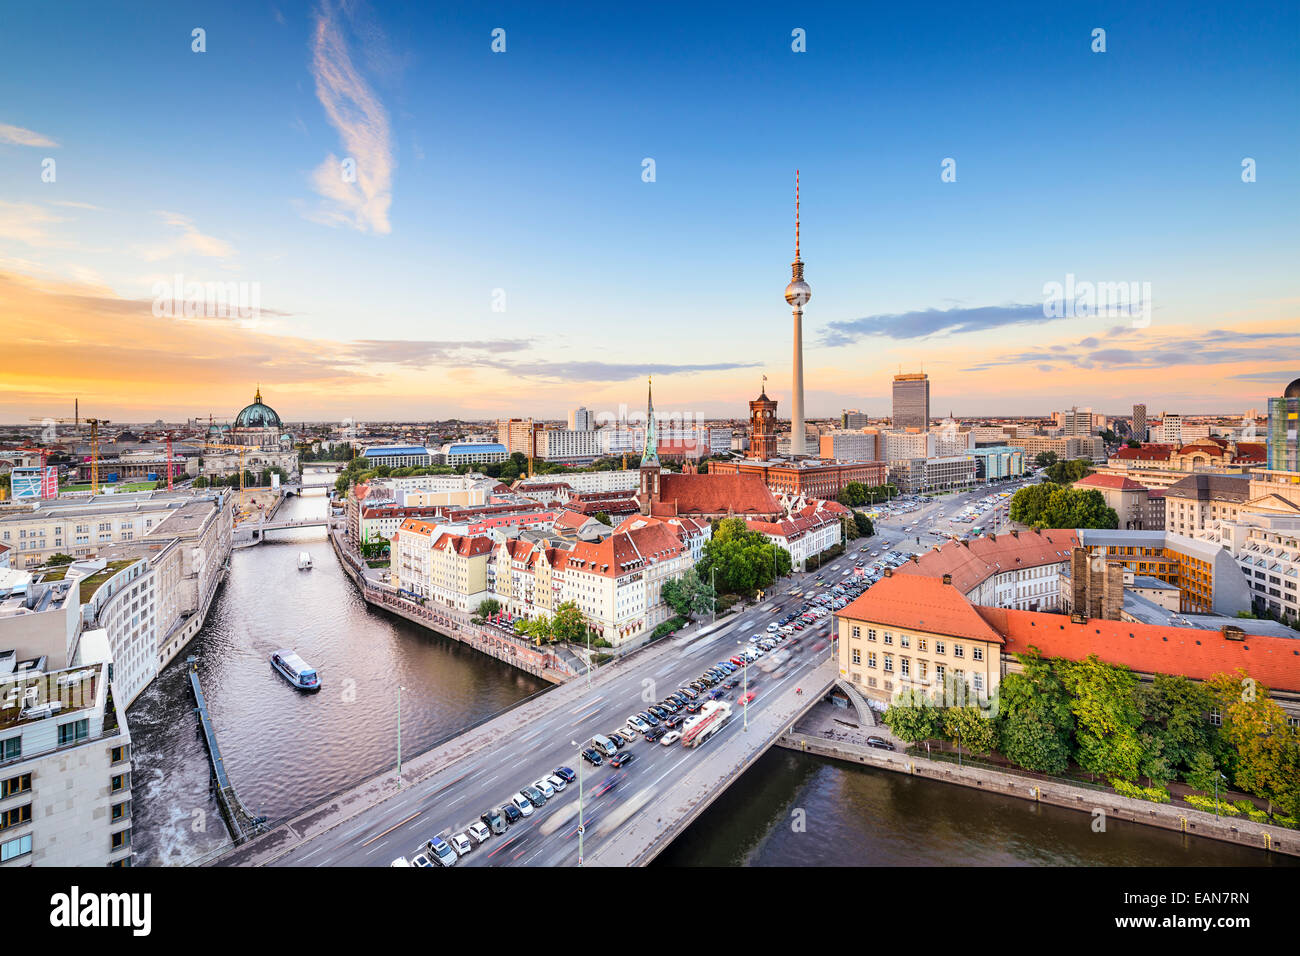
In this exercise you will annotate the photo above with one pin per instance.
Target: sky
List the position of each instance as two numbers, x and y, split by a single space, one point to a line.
502 249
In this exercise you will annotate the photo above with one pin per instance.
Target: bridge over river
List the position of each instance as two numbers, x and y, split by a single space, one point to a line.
630 814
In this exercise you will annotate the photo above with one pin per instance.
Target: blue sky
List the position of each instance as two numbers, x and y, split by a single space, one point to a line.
521 171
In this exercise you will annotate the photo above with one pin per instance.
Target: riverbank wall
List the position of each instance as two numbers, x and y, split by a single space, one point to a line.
517 653
1167 816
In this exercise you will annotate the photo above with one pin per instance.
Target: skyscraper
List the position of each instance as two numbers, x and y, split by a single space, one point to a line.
797 294
1283 422
911 400
581 420
1140 422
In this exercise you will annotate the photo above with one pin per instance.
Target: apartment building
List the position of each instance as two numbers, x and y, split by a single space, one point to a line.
804 534
80 527
1019 569
840 445
1267 548
449 569
563 444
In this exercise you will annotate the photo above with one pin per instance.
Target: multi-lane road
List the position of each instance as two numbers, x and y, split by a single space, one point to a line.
448 800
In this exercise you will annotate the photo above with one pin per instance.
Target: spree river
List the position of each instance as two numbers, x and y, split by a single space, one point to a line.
286 751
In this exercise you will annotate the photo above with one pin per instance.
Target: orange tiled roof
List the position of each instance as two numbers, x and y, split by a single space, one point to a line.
715 494
1115 482
1148 452
973 562
1150 648
924 604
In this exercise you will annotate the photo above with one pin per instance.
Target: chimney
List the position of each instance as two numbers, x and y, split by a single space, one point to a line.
947 579
1233 633
889 572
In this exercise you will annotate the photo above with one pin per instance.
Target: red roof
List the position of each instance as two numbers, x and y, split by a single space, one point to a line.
973 562
922 604
626 552
1114 482
715 495
464 545
1148 452
1150 648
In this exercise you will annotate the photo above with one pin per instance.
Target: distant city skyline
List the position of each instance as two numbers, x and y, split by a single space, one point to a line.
499 250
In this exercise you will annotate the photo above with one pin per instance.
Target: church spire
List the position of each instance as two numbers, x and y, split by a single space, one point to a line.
650 451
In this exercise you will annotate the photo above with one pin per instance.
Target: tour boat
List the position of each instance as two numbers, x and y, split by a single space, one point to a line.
304 561
295 670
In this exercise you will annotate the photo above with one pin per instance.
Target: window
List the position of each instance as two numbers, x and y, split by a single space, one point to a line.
979 682
958 651
121 781
889 638
12 748
857 656
938 647
121 811
121 838
921 643
871 633
904 640
871 659
15 785
16 817
977 653
118 754
889 663
15 848
938 672
1216 718
905 666
855 631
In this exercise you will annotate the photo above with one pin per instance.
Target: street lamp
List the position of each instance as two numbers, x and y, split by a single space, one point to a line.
1218 775
713 583
581 826
399 736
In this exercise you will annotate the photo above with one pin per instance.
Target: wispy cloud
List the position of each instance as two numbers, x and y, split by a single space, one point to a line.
419 354
359 117
1153 351
925 322
28 223
606 371
190 241
17 136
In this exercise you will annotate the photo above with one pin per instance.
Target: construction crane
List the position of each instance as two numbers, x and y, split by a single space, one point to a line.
94 424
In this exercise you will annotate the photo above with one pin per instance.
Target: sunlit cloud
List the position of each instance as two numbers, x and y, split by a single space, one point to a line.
28 223
190 241
17 136
359 196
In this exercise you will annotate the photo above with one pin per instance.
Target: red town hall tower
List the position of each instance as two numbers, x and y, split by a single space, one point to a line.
762 426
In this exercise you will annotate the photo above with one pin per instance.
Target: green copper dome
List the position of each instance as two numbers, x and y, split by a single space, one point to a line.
257 415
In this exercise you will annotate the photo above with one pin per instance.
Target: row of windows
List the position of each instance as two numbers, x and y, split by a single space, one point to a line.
922 644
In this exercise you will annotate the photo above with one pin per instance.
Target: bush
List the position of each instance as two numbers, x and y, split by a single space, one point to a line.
1154 794
1202 802
1283 821
667 627
1255 814
599 659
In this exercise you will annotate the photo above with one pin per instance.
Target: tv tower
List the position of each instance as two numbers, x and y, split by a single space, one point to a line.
797 293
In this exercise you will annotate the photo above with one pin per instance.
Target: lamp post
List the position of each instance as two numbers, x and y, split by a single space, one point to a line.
1218 774
581 825
399 736
713 583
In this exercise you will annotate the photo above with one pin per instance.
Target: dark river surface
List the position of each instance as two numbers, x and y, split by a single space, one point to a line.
286 751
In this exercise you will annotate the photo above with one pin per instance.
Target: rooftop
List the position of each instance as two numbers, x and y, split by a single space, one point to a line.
22 699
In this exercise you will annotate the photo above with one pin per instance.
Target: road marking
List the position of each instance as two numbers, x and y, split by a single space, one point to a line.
376 849
587 703
588 715
393 827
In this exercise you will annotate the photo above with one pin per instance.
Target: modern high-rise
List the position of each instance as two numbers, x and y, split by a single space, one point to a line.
581 420
1171 428
519 435
852 419
911 400
1076 421
1283 421
1140 422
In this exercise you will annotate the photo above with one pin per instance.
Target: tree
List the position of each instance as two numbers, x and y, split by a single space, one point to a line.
912 717
742 560
864 526
568 624
604 518
1174 729
59 558
1048 505
487 607
1106 729
1045 458
1108 436
970 729
1133 443
1266 761
1035 726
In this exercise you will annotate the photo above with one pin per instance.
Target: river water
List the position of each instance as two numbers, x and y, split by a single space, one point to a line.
286 751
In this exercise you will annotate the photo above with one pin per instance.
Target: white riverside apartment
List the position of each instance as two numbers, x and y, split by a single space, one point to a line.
1267 547
65 758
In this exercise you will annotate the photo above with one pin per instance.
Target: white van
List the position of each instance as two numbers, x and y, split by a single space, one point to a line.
604 744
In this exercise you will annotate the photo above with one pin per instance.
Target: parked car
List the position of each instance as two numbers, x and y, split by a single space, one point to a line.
880 743
655 734
510 812
557 782
441 852
478 832
544 787
460 843
421 859
522 805
495 821
589 754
